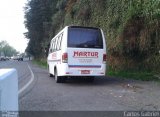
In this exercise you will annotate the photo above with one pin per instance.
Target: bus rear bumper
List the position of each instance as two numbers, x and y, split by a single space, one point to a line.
83 72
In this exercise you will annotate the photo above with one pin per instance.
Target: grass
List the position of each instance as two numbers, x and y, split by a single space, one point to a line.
41 63
136 75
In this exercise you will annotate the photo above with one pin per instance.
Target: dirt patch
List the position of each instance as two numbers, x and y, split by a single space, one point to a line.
134 88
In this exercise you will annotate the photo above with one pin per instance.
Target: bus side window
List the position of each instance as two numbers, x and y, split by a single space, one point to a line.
54 49
51 45
56 45
60 41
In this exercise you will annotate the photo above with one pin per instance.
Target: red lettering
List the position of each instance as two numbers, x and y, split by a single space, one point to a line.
96 54
89 53
92 54
53 55
75 54
85 54
80 53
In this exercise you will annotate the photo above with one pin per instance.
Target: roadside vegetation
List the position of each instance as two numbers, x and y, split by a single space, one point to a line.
41 63
131 27
135 75
6 50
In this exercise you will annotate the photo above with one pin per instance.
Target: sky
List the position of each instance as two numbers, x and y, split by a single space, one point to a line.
12 23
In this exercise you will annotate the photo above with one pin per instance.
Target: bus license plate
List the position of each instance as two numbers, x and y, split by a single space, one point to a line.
85 71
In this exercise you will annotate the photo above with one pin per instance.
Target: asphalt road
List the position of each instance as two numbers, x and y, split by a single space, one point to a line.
39 92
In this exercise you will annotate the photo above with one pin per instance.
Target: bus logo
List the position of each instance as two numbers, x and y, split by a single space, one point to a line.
78 54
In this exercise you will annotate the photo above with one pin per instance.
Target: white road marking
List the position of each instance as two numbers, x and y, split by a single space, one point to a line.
30 81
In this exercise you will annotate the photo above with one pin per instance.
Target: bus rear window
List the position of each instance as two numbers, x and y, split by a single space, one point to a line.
85 38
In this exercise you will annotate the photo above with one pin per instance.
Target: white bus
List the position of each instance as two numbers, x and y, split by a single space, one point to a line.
77 51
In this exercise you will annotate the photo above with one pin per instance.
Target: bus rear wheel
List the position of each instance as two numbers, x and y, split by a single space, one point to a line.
50 75
59 79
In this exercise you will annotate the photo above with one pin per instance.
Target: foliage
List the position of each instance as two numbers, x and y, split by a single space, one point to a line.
6 50
131 28
38 17
42 63
136 75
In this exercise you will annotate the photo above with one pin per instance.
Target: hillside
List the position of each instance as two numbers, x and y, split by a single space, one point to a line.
131 27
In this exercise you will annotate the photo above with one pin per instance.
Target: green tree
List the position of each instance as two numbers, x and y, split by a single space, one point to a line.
6 49
131 27
38 16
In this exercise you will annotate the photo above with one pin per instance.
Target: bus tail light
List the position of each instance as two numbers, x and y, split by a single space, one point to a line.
104 58
65 58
